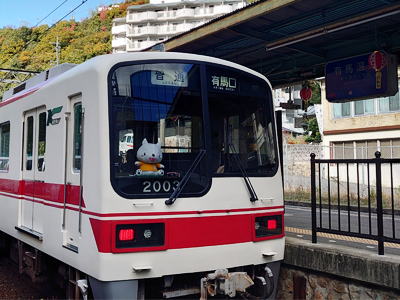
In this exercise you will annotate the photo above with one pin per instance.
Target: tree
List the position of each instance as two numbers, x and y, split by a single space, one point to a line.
312 127
34 49
316 92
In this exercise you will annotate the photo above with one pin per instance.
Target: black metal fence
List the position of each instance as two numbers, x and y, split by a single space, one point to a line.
356 197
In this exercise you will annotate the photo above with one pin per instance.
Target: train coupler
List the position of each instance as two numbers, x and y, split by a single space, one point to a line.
223 283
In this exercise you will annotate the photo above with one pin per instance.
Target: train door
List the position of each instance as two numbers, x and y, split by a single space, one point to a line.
34 167
73 161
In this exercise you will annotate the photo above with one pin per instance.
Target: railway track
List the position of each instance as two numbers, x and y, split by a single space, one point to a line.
16 286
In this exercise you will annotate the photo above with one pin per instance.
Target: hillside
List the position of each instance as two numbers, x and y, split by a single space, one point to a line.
33 49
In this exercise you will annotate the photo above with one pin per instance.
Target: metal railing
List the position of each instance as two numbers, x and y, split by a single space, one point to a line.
350 197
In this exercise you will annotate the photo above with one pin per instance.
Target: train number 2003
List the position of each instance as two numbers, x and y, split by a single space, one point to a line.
157 186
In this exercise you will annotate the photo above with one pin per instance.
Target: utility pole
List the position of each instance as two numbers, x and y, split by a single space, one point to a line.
57 47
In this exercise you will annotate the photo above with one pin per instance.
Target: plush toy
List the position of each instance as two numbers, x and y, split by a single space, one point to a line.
149 156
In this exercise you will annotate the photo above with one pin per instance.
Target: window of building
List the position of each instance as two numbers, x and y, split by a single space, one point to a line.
372 147
385 148
343 150
389 104
364 107
395 148
4 146
341 110
365 149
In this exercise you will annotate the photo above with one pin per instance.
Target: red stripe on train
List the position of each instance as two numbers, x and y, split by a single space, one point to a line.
55 193
189 212
47 191
186 232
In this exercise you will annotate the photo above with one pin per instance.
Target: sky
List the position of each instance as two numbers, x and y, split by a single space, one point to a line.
29 13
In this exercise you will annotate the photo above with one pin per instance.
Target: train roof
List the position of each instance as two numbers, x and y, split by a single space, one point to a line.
107 61
104 63
34 83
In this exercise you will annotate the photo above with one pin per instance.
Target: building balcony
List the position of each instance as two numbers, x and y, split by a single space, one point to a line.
115 30
176 14
141 17
214 11
137 46
117 43
222 9
175 29
140 31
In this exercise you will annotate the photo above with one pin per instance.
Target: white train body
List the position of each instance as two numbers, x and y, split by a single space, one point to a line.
65 132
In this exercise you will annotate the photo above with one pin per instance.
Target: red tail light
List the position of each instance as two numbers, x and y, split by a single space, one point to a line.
126 235
268 226
272 224
143 235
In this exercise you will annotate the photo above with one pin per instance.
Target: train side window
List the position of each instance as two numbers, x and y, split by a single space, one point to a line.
29 143
77 136
41 142
4 146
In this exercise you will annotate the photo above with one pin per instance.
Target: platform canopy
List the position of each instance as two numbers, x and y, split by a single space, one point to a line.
290 41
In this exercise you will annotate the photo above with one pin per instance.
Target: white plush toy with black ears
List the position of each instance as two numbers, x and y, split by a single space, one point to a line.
149 157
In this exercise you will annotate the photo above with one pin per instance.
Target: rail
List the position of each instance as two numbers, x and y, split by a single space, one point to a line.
351 197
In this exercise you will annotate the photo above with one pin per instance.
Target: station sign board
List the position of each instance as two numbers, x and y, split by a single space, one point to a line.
353 78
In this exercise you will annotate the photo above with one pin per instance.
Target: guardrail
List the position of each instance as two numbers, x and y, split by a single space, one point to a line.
349 197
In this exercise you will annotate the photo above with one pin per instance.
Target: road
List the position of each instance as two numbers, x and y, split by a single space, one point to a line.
298 224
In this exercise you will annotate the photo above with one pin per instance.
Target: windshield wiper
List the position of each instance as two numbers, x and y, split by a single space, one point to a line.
185 179
239 165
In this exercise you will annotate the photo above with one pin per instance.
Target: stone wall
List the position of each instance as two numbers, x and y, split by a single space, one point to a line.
322 286
325 271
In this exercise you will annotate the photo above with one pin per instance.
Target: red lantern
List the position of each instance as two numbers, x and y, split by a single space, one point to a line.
377 60
305 93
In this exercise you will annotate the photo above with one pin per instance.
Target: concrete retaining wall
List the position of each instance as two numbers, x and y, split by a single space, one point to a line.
323 271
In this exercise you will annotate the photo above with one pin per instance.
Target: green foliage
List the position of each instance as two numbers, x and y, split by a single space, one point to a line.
316 92
315 134
34 48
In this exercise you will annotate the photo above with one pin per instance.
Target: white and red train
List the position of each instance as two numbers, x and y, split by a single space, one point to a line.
193 207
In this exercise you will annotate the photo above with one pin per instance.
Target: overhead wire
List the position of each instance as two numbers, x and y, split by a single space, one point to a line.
83 2
49 14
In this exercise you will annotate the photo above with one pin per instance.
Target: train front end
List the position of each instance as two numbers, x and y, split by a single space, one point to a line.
197 203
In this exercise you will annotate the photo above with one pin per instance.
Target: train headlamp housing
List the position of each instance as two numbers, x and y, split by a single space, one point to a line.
268 226
135 236
147 234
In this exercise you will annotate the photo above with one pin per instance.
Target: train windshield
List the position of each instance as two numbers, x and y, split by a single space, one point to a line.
241 122
168 126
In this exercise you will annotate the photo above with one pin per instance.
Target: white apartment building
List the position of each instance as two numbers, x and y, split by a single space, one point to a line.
148 24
